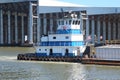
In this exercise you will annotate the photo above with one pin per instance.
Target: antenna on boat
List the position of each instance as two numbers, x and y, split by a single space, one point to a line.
63 14
70 14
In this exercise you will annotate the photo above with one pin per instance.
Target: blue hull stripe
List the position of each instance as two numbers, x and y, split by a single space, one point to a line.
41 54
54 54
62 43
69 31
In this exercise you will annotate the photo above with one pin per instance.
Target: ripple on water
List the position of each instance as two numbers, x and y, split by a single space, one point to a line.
11 69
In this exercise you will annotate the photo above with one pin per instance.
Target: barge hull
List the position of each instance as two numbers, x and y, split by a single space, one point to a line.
33 57
100 62
75 59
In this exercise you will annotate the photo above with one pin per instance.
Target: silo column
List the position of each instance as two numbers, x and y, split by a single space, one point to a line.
22 20
38 25
16 28
30 24
51 23
93 29
38 30
104 31
9 29
57 17
1 26
98 30
87 28
119 30
114 31
109 31
44 24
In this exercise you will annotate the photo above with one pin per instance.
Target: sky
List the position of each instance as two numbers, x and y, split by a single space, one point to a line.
96 3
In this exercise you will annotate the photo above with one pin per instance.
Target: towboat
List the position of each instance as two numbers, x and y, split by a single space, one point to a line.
68 40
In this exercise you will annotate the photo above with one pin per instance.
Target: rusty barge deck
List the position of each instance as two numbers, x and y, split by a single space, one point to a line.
96 61
33 57
76 59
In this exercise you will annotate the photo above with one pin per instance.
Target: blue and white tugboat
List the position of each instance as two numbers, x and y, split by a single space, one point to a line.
67 41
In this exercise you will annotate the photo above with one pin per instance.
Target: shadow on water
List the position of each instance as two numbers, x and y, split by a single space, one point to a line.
11 69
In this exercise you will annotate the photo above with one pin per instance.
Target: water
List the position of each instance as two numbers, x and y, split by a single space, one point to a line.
11 69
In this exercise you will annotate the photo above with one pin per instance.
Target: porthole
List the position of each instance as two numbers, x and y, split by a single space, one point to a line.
45 49
54 37
67 37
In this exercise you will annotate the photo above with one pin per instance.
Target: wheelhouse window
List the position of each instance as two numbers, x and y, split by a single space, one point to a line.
59 22
69 22
78 22
73 21
66 22
62 22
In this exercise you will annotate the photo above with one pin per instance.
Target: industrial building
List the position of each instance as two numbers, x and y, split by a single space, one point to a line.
25 21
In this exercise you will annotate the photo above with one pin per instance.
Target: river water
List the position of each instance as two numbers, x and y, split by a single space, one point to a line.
12 69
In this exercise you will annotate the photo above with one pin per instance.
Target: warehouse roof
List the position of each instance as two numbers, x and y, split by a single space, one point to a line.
57 3
10 1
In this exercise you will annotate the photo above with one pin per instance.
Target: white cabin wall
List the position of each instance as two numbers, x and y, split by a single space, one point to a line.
41 50
70 50
63 51
62 37
73 50
44 38
75 27
77 38
57 50
70 26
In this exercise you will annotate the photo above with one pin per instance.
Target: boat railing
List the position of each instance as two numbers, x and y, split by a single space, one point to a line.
49 32
112 41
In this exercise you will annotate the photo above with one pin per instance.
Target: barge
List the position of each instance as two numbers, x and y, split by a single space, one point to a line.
104 55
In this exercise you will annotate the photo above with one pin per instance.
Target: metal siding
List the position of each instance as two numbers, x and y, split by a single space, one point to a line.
108 53
90 10
10 1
